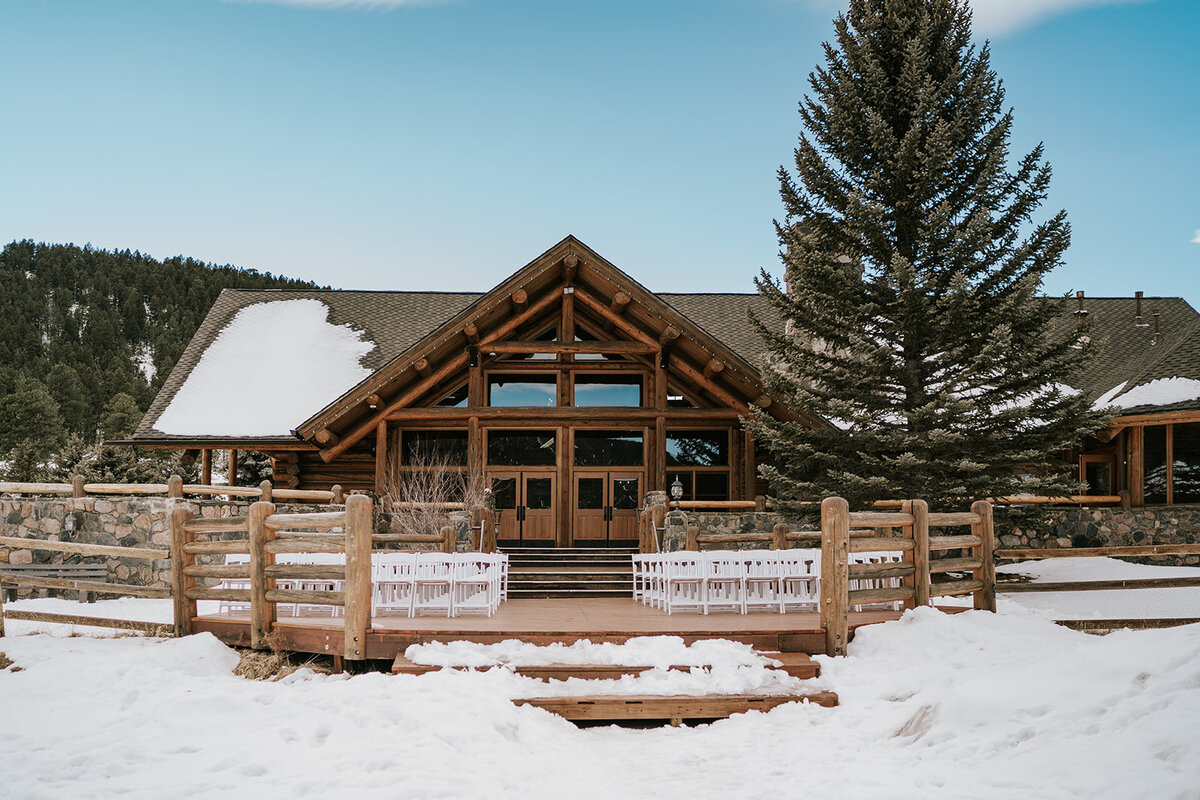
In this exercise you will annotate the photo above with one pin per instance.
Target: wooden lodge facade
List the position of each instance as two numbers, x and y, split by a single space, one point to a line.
575 391
572 388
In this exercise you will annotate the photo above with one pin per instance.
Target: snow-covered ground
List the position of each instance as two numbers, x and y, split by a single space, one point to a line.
970 705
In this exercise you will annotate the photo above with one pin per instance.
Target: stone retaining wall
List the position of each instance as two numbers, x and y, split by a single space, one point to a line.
134 522
1038 529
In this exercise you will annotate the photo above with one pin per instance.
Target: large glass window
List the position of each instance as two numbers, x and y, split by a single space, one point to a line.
608 449
521 448
608 390
1154 464
522 390
698 448
1185 462
429 447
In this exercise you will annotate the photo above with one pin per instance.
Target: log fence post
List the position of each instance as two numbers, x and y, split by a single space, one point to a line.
779 536
184 609
489 531
658 523
262 612
339 495
449 539
77 483
266 488
835 574
985 598
920 536
693 538
358 576
175 487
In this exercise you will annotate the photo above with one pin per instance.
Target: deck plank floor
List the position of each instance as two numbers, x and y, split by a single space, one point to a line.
542 621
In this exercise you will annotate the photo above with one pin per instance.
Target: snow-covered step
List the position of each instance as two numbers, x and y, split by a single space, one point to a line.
675 709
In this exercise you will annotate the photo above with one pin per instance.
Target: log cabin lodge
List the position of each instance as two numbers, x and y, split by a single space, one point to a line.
575 391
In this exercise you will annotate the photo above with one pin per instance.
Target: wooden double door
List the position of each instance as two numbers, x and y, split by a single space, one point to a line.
605 506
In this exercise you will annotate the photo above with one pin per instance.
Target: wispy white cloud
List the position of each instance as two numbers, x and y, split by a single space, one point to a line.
994 18
1196 238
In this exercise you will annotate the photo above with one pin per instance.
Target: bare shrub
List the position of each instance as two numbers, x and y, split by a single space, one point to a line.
424 496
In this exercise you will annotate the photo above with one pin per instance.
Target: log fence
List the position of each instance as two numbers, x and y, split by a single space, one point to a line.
175 488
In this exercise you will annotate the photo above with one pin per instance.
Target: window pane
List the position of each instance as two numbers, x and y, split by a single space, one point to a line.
697 448
608 390
456 399
608 449
625 493
591 492
1154 462
1185 472
712 485
1099 478
522 390
538 493
504 490
428 447
521 448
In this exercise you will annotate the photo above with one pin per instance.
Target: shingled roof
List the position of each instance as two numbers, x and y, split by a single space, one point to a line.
395 321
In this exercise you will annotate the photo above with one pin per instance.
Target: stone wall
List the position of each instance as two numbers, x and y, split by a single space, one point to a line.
1045 528
1110 526
137 522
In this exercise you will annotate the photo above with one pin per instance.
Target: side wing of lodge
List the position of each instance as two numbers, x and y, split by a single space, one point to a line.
575 391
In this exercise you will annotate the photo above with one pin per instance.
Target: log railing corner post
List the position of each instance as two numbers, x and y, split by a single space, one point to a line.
358 576
920 536
449 539
339 495
693 538
262 612
266 489
835 574
779 536
985 598
184 609
77 483
175 487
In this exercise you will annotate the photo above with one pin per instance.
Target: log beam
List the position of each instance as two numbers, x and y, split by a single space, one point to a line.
570 264
520 298
713 367
667 336
471 331
421 365
614 347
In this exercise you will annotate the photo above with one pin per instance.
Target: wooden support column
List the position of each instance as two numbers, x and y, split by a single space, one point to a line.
737 475
206 466
382 463
184 609
1137 473
232 477
262 612
749 464
660 462
985 598
835 574
358 576
474 449
565 446
566 323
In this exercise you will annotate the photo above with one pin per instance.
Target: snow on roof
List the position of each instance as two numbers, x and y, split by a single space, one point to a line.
275 364
1160 392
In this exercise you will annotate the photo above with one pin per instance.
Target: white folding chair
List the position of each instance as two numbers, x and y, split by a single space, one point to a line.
798 583
473 583
433 584
683 582
392 576
761 586
724 582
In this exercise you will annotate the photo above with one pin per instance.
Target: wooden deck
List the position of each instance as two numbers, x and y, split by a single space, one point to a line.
547 621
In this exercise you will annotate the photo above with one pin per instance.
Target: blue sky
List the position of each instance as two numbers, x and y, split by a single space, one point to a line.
443 145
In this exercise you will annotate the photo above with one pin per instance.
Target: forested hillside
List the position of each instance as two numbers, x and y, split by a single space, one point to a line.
86 338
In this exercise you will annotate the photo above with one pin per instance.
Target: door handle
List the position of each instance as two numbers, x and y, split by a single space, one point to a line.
520 513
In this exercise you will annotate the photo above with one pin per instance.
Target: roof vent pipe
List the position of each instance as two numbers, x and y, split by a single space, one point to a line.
1081 312
1137 317
1157 316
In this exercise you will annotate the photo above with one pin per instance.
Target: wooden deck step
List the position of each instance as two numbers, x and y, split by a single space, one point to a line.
671 708
798 665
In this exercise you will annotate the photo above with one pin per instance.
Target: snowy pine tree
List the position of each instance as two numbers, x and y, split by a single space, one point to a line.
912 266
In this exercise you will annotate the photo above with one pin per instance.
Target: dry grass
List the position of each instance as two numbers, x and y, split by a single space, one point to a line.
7 663
275 663
416 495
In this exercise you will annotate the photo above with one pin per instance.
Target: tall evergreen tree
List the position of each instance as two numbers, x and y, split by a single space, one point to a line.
912 265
